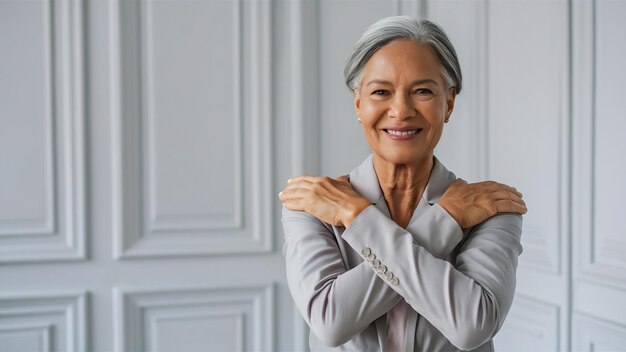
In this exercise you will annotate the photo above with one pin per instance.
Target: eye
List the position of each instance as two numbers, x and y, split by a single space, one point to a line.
380 92
423 91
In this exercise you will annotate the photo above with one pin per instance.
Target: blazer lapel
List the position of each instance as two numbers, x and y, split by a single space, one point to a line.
364 180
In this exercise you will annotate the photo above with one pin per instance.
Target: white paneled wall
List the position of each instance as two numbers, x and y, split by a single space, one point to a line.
192 127
142 144
42 144
43 322
599 268
222 318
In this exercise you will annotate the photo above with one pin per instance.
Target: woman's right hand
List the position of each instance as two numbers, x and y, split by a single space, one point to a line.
472 203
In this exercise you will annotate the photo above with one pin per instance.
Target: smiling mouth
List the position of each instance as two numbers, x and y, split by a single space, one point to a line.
397 133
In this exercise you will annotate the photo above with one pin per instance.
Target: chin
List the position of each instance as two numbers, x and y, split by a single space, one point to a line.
401 157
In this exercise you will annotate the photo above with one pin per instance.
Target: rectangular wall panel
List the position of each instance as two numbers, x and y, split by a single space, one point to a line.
592 335
531 325
192 115
43 322
600 245
27 178
192 318
26 337
609 242
223 331
192 135
42 196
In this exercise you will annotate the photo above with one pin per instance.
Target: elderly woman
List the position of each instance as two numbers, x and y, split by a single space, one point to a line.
401 255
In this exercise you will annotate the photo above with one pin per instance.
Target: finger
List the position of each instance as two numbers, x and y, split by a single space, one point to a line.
299 183
342 178
509 206
308 186
301 178
294 193
293 199
294 204
496 185
293 179
507 194
512 190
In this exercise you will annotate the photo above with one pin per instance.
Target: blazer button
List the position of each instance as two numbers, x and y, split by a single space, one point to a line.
366 251
389 275
376 263
394 280
370 257
382 269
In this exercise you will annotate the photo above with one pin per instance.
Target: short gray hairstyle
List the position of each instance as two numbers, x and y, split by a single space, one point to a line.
393 28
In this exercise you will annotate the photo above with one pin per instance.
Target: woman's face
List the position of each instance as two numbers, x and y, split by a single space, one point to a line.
402 102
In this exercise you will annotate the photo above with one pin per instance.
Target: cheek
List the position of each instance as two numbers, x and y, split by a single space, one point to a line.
369 111
370 105
435 113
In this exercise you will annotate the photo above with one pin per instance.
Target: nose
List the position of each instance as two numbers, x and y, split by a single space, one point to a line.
402 107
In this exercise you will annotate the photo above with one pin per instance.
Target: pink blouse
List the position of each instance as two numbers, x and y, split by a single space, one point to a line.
396 325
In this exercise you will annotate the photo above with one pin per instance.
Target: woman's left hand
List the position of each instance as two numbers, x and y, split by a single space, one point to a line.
332 200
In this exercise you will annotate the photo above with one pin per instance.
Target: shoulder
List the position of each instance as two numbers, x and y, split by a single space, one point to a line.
301 219
509 222
438 182
503 230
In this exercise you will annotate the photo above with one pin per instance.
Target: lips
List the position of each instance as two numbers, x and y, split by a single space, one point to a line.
402 134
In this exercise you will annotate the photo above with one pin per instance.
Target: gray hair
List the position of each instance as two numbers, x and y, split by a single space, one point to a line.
393 28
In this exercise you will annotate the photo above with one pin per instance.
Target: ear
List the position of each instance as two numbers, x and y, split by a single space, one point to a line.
357 101
450 102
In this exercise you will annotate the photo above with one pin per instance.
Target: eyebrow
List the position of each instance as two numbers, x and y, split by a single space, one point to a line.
416 82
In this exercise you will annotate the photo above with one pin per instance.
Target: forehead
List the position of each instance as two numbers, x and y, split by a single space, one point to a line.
403 58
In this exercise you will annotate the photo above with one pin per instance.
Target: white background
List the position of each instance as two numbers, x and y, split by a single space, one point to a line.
143 142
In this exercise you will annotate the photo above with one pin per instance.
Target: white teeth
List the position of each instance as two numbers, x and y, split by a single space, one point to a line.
401 133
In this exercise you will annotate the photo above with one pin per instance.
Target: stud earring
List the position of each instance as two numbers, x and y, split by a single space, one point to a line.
359 119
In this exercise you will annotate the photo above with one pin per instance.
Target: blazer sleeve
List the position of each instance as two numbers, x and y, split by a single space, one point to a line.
338 303
468 301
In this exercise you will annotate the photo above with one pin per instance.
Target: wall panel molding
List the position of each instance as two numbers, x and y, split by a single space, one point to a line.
594 335
57 319
531 325
156 222
599 255
139 313
60 235
139 230
40 334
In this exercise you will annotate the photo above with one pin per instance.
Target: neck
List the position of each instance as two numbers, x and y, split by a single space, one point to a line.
403 184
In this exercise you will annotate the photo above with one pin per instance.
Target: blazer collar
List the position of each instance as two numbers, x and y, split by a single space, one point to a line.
365 182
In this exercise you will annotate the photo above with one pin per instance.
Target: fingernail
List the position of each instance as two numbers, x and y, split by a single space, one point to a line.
289 181
280 194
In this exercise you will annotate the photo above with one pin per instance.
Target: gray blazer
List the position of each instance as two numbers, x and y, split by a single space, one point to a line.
459 283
